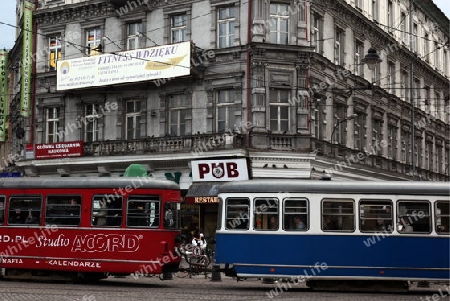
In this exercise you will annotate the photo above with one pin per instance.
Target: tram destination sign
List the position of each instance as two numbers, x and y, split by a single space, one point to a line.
58 150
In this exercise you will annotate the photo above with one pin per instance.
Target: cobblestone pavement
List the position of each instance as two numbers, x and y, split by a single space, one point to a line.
196 288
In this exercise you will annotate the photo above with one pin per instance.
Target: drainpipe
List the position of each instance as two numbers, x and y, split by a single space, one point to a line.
248 79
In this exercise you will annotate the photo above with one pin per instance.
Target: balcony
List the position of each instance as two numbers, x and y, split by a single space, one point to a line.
196 144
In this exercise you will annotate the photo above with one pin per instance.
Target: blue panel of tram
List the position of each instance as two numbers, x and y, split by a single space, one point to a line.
393 256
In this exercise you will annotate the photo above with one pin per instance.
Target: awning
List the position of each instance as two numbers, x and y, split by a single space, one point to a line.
203 193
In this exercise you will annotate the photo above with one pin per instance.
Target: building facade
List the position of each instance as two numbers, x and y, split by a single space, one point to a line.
281 86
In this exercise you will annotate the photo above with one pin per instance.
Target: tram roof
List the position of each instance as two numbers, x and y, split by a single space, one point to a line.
366 187
86 182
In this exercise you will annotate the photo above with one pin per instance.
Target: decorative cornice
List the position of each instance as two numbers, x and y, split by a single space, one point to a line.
72 13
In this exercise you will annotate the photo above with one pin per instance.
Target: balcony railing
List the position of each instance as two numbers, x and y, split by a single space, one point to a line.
194 143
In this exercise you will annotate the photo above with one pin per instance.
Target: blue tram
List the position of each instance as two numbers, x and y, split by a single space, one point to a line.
335 231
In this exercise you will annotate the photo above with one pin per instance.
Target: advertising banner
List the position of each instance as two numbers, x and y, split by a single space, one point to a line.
3 93
58 150
137 65
27 58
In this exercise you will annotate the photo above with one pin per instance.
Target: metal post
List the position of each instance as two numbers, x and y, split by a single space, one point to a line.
215 275
411 82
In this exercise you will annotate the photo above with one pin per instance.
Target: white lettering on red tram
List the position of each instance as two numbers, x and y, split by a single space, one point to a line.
106 243
75 263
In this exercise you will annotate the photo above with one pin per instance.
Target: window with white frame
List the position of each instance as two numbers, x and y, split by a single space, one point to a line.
52 116
338 46
133 118
427 100
225 110
416 90
404 85
406 146
445 64
226 17
375 10
133 38
392 141
376 74
90 122
93 39
279 110
178 28
359 4
390 16
359 53
359 131
340 126
316 33
403 30
54 47
417 151
429 155
318 121
426 47
279 24
377 135
415 38
391 77
178 109
436 55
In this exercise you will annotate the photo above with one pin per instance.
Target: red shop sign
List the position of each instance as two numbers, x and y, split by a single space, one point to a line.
59 150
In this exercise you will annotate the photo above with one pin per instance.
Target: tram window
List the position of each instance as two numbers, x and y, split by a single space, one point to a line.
143 211
237 213
106 211
375 215
2 209
171 215
338 215
413 217
24 210
296 214
266 214
442 217
63 210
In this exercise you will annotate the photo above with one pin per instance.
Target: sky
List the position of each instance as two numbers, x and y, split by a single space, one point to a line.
8 12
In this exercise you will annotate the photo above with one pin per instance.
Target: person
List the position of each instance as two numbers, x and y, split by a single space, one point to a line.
31 219
115 213
329 223
298 223
273 223
16 217
404 226
101 215
198 240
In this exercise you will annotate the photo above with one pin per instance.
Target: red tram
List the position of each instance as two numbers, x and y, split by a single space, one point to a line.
88 228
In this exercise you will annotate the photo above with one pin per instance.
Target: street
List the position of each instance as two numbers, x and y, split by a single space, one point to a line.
197 288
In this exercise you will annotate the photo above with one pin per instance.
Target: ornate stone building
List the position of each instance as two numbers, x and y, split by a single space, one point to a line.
281 84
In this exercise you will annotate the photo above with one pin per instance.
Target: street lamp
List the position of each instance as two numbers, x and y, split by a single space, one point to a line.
372 59
353 116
